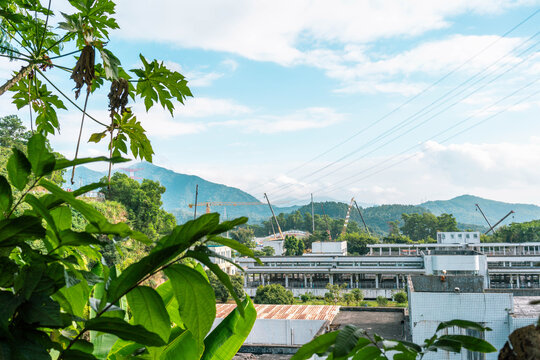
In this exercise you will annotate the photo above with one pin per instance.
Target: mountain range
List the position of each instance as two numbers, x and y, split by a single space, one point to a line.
181 192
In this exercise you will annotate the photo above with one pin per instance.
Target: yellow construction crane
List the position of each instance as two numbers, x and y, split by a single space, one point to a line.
207 204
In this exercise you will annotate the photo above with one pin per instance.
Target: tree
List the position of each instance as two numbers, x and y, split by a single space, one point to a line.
348 298
12 132
425 226
221 291
382 301
273 294
334 292
357 242
244 236
143 203
268 251
293 246
358 295
400 297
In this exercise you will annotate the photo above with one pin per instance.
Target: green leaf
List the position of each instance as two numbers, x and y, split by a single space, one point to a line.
228 225
40 210
181 345
17 230
77 355
222 276
165 290
42 311
148 310
349 337
196 300
64 163
6 198
73 238
9 302
367 353
470 343
319 345
18 168
41 159
73 299
191 231
464 324
227 338
110 63
122 349
96 137
233 244
123 330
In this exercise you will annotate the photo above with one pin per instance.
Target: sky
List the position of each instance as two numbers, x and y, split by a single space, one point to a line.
386 101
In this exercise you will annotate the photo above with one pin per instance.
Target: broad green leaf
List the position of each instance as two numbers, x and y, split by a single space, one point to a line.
196 300
349 337
9 302
227 338
40 210
464 324
41 159
123 330
122 349
319 345
191 231
228 225
18 168
238 246
103 343
367 353
470 343
169 300
148 310
181 346
73 299
64 163
6 198
42 311
222 276
16 230
73 238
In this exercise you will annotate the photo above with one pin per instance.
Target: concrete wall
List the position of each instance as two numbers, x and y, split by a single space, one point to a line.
281 331
427 310
329 247
277 245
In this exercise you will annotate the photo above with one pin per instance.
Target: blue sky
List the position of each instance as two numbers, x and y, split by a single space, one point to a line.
278 83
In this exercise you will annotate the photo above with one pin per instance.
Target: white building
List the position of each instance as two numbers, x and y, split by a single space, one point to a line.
462 237
434 299
224 265
329 248
277 245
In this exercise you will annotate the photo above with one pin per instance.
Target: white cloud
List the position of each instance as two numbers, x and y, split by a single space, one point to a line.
199 107
311 118
195 78
272 30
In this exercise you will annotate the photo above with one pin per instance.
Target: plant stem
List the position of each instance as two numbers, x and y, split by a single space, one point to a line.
30 106
25 70
45 28
22 196
80 133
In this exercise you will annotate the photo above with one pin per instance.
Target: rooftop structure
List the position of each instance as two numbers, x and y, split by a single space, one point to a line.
329 248
462 237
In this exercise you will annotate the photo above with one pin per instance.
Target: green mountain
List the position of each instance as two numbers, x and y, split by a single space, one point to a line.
464 209
181 192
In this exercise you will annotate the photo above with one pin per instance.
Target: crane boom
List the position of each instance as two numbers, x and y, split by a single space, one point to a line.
347 218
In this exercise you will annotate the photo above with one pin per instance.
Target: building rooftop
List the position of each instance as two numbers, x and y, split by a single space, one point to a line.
289 312
523 307
449 283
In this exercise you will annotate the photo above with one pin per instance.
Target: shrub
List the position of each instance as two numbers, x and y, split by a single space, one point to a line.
306 297
382 301
358 295
273 294
400 297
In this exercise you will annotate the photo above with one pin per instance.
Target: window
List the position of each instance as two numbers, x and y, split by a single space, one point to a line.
475 236
467 236
460 235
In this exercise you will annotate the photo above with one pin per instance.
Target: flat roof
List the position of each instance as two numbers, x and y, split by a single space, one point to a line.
285 312
523 307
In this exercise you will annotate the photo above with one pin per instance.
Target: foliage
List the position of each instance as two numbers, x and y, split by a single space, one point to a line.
143 204
348 298
221 292
268 251
516 232
293 246
13 133
357 242
382 300
425 226
273 294
306 297
58 289
334 293
400 297
244 236
353 342
358 295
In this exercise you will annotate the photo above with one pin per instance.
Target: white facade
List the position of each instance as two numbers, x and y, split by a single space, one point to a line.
224 265
277 245
462 237
329 248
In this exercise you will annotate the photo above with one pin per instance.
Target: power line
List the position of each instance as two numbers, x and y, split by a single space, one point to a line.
411 98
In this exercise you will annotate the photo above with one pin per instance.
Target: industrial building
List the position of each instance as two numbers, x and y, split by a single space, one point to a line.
384 269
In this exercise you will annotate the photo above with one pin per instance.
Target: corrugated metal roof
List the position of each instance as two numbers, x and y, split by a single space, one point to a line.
291 312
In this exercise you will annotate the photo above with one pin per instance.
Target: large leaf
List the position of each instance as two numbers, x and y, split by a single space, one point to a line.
236 245
123 330
6 198
191 231
464 324
19 229
319 345
225 340
18 168
368 353
42 311
166 293
349 338
222 276
65 163
470 343
196 300
181 346
41 159
73 299
148 310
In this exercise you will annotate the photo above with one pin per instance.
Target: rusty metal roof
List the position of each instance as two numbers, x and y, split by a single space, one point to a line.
291 312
